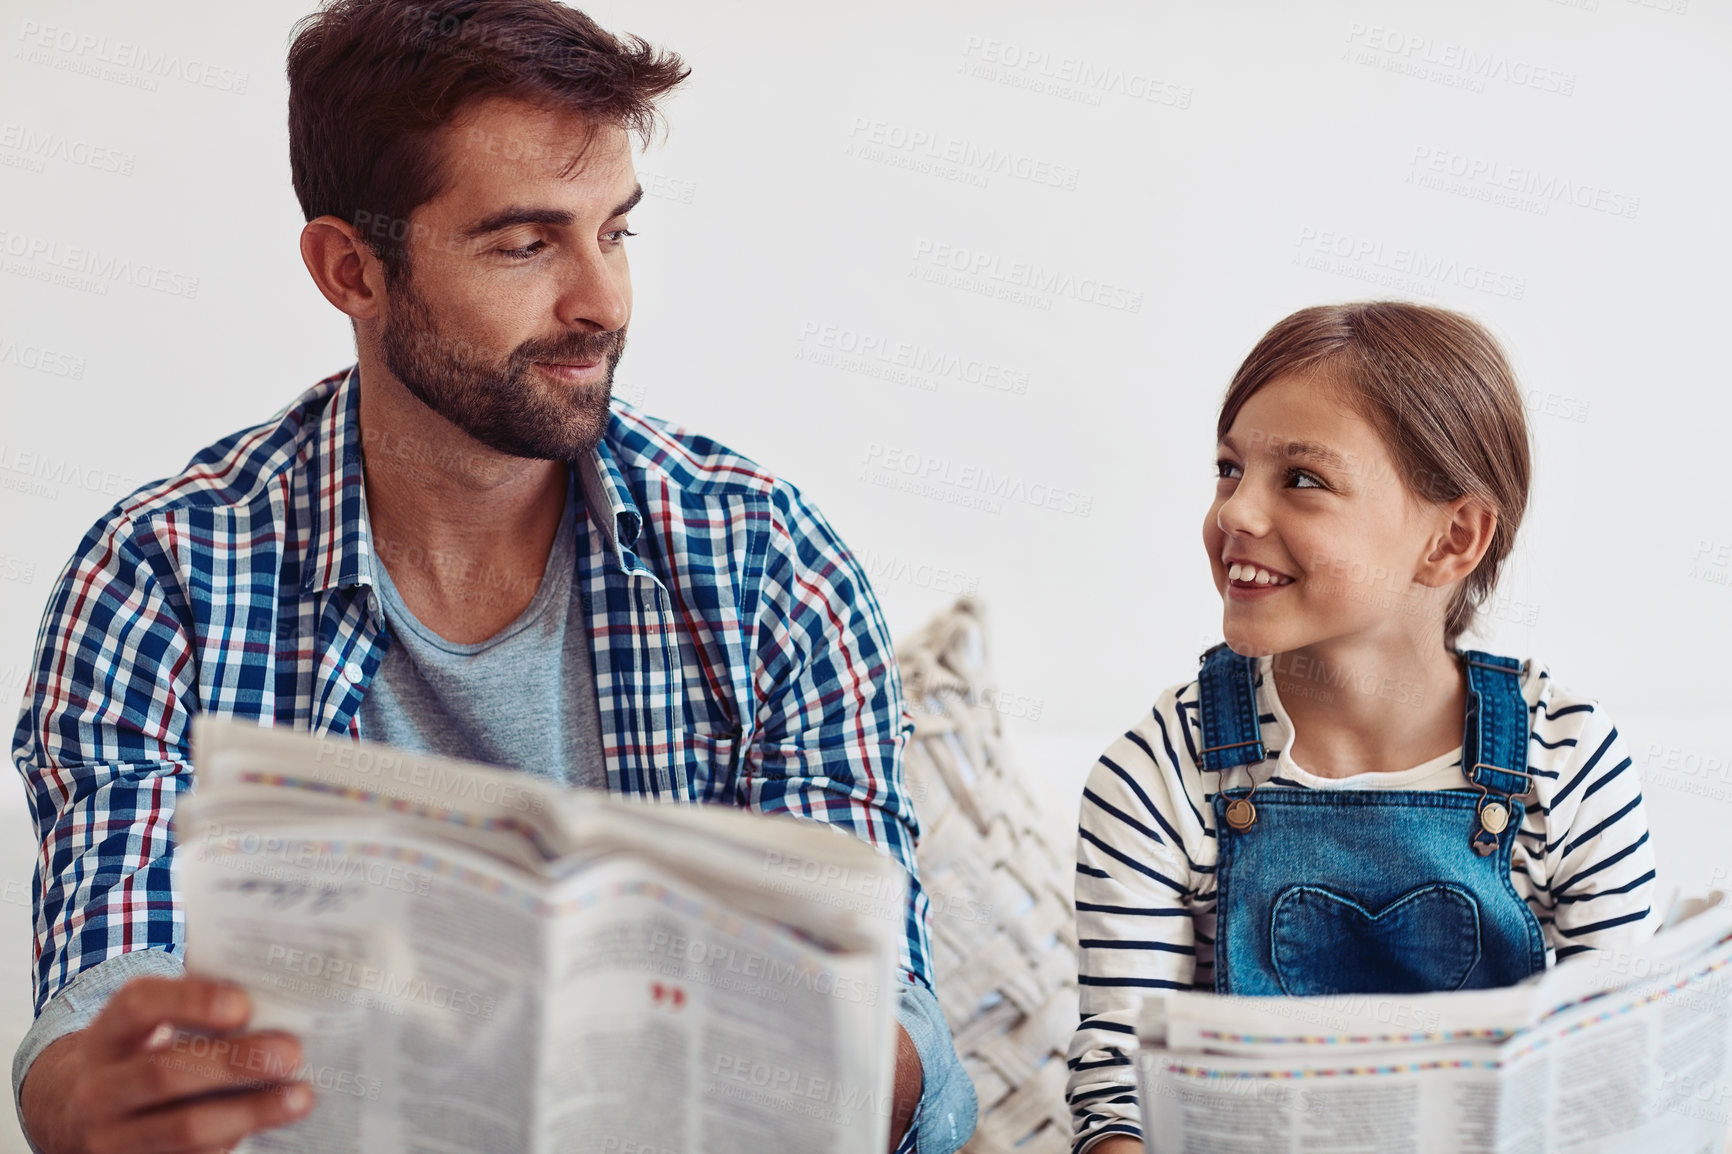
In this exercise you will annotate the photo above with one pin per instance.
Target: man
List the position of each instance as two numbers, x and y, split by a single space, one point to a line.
458 546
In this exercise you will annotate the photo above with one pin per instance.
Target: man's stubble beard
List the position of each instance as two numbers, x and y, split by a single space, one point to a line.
498 402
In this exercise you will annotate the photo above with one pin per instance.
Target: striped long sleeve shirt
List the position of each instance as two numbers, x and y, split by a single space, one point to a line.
1145 884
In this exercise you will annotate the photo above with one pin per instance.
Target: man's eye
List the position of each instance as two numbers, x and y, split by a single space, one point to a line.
526 251
619 234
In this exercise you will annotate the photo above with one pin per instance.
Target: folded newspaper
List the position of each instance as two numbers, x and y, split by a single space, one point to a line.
478 960
1613 1051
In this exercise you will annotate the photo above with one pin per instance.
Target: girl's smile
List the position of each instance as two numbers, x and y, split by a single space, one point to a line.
1312 537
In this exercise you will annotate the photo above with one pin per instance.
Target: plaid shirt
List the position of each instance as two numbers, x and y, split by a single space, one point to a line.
739 654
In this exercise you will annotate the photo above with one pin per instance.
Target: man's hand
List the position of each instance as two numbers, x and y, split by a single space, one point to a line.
123 1084
910 1081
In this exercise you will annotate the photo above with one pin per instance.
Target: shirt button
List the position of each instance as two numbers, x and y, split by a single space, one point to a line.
352 673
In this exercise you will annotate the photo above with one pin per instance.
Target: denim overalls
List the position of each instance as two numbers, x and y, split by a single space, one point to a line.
1336 891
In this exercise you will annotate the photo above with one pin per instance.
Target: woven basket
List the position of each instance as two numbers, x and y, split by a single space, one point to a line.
1003 919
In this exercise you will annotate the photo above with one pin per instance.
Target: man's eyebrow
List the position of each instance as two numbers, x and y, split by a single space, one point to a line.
515 215
523 214
628 203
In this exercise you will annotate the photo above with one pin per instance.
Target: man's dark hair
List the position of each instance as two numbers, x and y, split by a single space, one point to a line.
371 83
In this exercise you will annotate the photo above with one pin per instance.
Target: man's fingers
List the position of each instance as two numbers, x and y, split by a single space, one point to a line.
199 1064
206 1124
136 1013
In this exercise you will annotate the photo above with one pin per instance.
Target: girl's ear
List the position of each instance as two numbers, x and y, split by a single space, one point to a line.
1464 532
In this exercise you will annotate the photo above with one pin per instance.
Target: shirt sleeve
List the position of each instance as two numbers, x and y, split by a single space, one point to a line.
1135 933
831 728
948 1108
76 1006
102 745
1599 882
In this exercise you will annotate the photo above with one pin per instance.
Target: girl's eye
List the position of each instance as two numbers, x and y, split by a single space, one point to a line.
526 251
1298 475
1225 469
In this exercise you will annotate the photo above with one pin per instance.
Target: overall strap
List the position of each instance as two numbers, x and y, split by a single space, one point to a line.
1494 746
1227 700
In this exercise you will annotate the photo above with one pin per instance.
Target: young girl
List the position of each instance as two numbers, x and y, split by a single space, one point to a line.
1345 801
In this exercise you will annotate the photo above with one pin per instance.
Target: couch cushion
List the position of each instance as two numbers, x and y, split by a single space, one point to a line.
1003 921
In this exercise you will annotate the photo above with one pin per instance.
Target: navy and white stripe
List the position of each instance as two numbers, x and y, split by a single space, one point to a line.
1145 880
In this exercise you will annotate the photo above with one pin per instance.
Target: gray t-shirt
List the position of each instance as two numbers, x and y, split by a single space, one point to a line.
524 698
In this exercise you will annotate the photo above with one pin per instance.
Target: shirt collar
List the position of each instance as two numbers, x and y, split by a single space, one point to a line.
604 487
340 546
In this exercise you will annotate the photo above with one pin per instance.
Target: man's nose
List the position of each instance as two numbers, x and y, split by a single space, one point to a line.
595 291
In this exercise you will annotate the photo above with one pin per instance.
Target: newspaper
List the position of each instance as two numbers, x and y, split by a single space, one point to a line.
476 960
1612 1051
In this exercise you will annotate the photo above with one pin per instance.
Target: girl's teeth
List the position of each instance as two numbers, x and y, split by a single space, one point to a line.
1240 572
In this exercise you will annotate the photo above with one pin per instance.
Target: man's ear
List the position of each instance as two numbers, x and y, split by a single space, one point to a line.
346 270
1465 529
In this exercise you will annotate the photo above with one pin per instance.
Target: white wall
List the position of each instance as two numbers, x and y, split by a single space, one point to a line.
1216 164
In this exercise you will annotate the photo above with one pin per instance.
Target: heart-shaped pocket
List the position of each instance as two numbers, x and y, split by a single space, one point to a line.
1326 943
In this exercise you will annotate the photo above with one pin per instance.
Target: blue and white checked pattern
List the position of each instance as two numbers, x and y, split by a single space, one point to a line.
740 656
